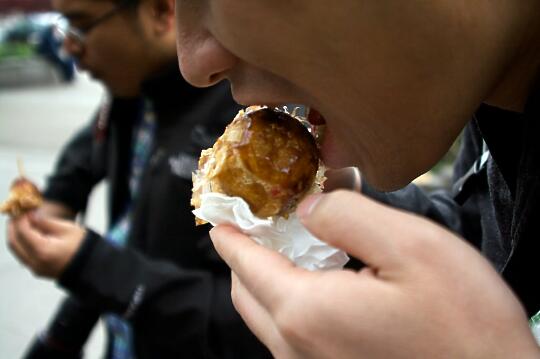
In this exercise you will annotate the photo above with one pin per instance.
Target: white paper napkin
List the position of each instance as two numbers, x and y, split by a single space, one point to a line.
287 236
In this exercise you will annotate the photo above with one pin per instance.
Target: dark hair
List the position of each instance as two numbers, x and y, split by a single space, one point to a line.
130 7
133 2
129 3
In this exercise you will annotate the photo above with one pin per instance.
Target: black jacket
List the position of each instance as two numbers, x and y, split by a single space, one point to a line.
168 281
495 204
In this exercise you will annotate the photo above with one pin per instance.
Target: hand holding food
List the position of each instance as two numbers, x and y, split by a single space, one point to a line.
45 245
424 290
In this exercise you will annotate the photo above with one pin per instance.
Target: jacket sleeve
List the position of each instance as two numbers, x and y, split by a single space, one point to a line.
66 333
77 170
180 311
441 206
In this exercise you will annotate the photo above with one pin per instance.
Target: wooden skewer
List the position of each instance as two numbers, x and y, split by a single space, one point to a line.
20 167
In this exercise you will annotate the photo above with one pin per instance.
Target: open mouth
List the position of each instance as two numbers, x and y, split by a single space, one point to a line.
315 118
322 135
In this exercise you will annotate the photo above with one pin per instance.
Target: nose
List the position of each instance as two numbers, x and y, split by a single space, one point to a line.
72 46
203 60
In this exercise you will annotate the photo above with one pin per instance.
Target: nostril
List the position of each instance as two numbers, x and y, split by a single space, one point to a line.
71 47
205 62
215 78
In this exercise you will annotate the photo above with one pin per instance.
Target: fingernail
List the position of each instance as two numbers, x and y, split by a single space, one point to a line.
308 204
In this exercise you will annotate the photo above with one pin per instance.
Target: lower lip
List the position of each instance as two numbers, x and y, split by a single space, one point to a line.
329 151
325 144
324 147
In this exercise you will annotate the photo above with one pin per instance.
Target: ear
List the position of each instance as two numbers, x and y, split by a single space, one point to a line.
163 15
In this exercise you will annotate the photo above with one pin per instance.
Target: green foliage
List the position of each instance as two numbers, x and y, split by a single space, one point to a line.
15 51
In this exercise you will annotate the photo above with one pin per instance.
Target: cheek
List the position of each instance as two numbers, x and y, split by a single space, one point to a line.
254 31
116 59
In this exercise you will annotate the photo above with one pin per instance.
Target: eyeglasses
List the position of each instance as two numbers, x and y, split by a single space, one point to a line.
65 30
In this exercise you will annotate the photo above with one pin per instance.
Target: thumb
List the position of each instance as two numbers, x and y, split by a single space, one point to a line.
367 230
50 225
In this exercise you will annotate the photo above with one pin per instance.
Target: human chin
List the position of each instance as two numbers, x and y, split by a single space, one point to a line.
383 174
390 174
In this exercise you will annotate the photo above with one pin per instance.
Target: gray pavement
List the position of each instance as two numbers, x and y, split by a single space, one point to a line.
34 123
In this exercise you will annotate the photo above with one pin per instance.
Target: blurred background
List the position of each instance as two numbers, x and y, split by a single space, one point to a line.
43 100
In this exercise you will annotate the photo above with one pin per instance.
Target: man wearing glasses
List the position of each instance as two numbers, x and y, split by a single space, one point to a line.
154 278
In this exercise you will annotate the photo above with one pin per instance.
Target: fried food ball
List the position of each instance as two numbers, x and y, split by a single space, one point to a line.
23 197
266 157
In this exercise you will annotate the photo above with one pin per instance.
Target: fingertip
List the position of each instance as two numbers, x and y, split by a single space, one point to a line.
223 230
225 237
305 208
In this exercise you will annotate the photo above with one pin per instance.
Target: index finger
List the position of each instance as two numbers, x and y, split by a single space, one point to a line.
27 236
51 225
16 247
266 274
